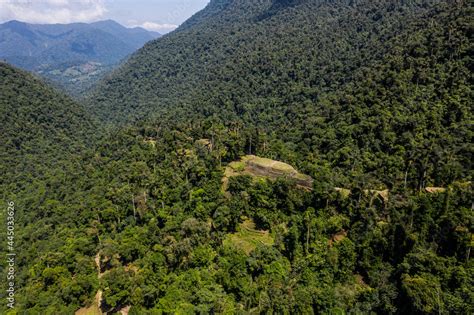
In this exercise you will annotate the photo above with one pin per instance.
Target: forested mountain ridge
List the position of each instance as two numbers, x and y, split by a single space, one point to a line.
40 127
132 36
346 83
44 139
252 50
375 96
371 101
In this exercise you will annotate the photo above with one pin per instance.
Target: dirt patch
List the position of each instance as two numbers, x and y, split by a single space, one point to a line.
338 237
435 190
125 310
259 167
94 309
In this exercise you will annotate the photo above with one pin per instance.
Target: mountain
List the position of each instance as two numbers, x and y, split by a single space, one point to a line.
371 99
262 53
274 157
135 37
45 136
73 55
41 126
296 68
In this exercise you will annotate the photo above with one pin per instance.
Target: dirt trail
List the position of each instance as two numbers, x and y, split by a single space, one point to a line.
95 309
99 275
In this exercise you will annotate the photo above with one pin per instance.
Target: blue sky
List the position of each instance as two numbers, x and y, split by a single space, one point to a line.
157 15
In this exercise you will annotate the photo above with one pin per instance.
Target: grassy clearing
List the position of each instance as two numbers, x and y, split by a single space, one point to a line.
265 163
247 238
259 168
238 166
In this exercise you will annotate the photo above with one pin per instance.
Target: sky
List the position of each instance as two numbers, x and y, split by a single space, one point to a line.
155 15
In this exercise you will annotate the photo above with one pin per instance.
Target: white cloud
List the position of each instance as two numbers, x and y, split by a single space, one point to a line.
52 11
157 27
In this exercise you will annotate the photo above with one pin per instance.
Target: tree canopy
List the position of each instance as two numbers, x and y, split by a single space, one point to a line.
370 99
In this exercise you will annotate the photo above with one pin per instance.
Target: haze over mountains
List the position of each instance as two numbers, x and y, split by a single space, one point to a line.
73 55
267 157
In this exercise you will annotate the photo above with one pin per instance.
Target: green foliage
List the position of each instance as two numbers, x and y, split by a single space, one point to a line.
424 292
365 97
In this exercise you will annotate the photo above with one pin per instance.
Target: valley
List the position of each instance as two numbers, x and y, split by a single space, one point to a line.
72 56
266 157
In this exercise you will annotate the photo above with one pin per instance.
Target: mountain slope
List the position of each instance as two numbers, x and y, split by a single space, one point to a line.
371 101
255 49
69 53
134 37
293 69
41 127
45 136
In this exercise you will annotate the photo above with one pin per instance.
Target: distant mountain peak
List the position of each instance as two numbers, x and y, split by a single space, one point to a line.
14 22
57 50
108 22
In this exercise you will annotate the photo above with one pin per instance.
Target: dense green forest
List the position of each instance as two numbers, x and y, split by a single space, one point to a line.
40 128
44 138
371 99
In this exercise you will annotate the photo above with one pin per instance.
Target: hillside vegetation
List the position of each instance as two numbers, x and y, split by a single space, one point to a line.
40 127
44 139
371 100
374 88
